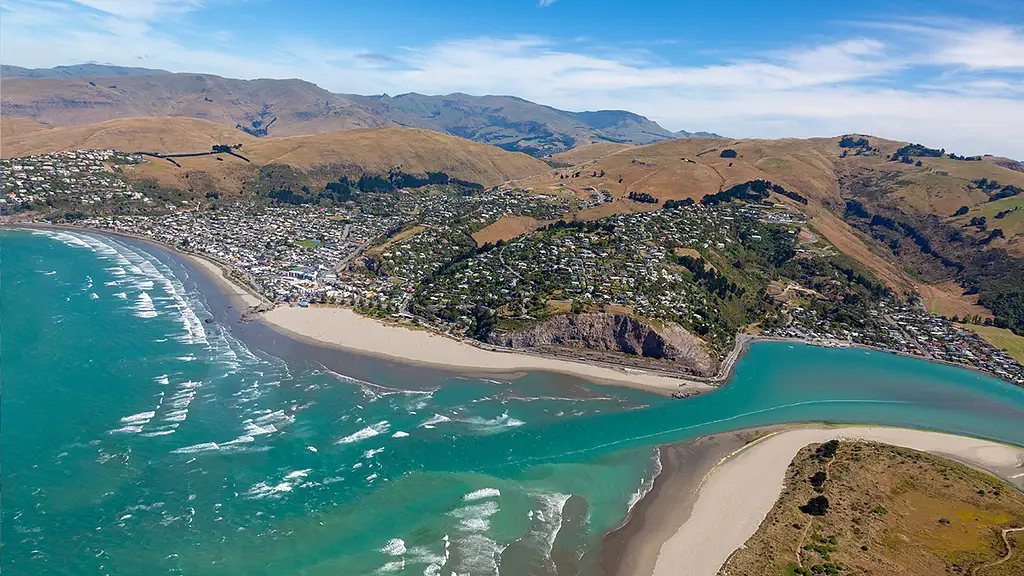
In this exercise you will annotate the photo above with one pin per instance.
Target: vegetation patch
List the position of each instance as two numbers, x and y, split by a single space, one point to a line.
1001 338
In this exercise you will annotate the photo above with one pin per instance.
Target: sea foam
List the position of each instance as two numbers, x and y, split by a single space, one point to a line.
481 494
368 432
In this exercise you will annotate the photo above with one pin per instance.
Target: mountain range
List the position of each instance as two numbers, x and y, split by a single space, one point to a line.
90 93
76 71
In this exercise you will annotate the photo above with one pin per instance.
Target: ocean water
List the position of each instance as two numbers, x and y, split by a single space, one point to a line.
144 431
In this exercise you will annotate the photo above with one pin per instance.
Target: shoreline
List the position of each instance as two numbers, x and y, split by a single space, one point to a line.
341 328
344 329
215 272
691 518
630 548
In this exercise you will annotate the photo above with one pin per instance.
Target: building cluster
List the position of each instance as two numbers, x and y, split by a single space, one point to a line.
371 253
284 252
905 328
939 339
71 178
626 262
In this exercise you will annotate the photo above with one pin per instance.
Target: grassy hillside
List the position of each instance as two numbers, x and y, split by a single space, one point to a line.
589 153
889 511
300 160
10 127
160 134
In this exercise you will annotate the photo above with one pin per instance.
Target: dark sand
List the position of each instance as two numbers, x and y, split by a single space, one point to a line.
633 549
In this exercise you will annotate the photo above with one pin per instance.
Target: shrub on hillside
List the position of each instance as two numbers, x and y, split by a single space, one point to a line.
816 506
828 449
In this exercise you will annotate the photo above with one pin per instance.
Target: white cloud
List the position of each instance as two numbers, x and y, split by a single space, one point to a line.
985 49
968 44
141 9
964 94
545 3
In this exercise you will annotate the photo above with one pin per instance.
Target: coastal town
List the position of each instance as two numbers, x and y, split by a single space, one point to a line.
716 269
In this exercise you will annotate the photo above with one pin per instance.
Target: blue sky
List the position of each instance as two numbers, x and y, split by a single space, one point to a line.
945 73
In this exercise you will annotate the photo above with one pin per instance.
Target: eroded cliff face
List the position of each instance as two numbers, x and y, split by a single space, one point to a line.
613 333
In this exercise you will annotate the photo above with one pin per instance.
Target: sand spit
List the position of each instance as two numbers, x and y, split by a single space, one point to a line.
719 514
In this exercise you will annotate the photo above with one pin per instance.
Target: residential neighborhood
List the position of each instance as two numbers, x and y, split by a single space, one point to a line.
78 178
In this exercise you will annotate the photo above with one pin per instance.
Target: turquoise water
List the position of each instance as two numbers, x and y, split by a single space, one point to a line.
138 438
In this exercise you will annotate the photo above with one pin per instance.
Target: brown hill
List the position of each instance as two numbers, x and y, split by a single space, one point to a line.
165 135
20 126
299 107
324 157
590 152
314 159
412 149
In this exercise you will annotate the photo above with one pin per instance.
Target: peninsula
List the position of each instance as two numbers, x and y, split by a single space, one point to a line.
694 522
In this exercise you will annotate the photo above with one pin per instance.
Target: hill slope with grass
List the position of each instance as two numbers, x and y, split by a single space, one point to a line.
295 161
22 137
878 509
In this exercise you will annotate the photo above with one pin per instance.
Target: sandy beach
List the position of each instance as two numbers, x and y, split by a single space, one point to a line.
345 329
689 527
215 273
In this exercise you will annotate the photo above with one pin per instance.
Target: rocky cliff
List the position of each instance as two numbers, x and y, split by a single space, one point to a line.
613 333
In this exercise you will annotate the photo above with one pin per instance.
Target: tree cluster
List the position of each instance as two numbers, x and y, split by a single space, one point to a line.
669 204
1007 192
709 278
816 506
643 197
909 150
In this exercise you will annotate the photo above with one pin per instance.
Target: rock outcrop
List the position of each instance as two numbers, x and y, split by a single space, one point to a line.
613 333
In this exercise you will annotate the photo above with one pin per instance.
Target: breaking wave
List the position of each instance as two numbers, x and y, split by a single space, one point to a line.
368 432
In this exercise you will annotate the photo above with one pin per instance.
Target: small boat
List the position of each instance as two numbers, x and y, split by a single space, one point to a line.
303 304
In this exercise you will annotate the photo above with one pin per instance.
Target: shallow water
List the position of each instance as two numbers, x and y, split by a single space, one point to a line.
138 438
